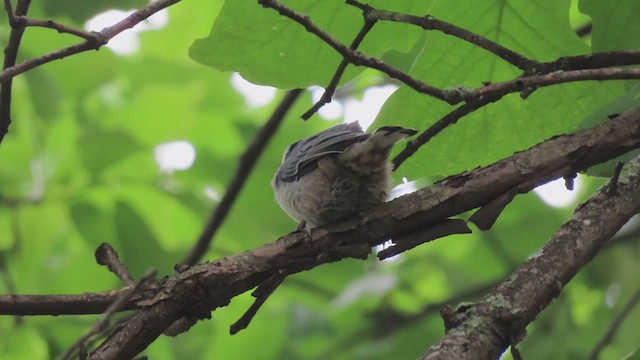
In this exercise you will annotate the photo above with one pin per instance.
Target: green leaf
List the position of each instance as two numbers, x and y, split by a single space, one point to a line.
105 148
45 94
533 29
6 232
80 10
627 101
95 224
267 48
615 23
14 345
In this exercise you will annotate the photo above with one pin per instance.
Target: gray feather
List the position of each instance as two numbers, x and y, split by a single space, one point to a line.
304 155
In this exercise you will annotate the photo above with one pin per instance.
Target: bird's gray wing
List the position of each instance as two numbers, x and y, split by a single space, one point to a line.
303 156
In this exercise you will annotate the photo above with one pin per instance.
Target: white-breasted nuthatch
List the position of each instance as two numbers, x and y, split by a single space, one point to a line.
336 173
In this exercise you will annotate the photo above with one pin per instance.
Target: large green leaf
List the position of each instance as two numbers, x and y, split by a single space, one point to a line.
615 23
267 48
533 29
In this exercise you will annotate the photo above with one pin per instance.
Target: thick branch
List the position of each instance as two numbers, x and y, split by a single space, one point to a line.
454 195
196 291
485 330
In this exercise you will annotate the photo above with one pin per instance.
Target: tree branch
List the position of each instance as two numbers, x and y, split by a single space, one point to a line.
23 21
433 130
107 256
80 304
122 299
94 40
428 22
581 68
333 84
592 61
202 288
558 77
407 214
486 329
355 57
477 98
97 40
10 57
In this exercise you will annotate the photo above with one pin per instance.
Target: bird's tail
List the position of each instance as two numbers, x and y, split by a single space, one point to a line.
378 146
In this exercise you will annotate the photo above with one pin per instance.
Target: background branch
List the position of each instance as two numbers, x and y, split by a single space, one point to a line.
245 165
615 325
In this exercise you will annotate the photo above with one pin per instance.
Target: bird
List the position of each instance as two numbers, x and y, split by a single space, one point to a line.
336 173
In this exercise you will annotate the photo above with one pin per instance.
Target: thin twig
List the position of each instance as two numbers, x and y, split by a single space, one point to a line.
590 61
419 237
613 184
103 323
262 293
245 165
8 8
94 40
72 304
99 39
333 84
357 58
107 256
480 97
436 128
61 28
430 23
553 78
498 249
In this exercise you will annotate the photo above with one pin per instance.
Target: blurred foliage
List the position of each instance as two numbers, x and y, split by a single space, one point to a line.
78 169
